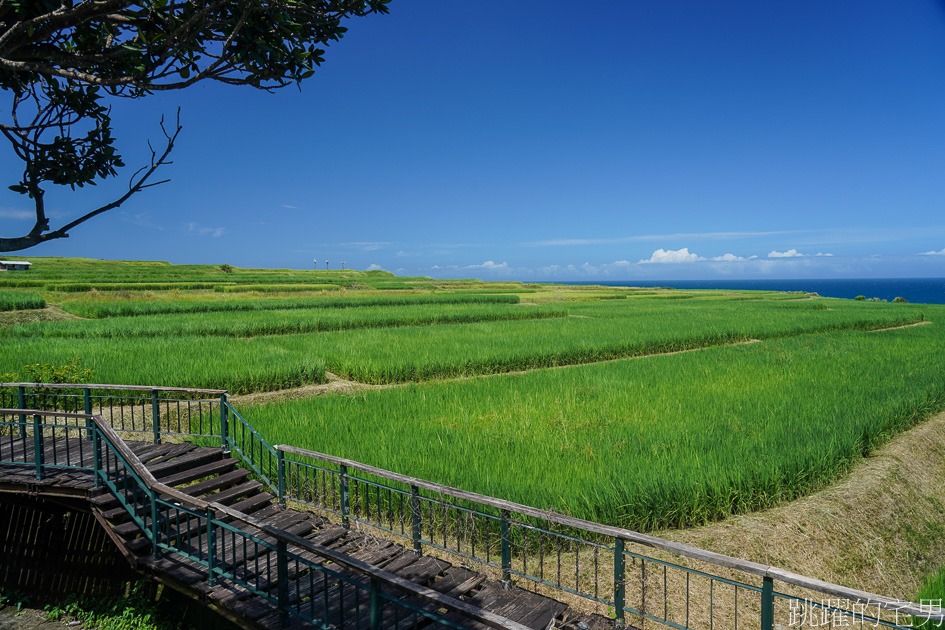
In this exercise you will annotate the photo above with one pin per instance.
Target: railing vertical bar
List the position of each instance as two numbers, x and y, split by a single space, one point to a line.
282 576
211 548
506 550
281 472
345 508
619 580
416 527
156 416
155 540
375 621
38 446
21 402
767 604
87 400
97 473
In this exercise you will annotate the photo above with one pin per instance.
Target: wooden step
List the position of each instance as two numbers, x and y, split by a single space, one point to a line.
186 462
212 469
232 494
222 482
254 503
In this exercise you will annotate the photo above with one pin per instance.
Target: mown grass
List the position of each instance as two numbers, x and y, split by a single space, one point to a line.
266 322
668 441
20 300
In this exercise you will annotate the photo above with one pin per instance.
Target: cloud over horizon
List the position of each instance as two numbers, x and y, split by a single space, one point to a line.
663 256
791 253
489 264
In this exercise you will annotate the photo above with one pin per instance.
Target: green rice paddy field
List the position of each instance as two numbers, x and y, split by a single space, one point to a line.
574 399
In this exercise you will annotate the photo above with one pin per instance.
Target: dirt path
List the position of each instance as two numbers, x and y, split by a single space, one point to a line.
338 385
335 385
51 313
922 323
880 529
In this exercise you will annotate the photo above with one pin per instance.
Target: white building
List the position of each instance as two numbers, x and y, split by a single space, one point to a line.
15 265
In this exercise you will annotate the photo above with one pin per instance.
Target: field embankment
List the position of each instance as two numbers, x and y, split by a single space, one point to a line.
879 529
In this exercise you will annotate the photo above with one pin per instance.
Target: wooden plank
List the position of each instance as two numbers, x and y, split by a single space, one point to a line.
423 570
235 493
252 504
540 618
223 481
170 452
130 388
189 460
187 475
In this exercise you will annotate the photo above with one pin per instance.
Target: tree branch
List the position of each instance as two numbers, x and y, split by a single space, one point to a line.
138 183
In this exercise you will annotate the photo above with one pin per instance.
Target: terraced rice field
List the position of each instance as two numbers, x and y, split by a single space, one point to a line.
575 399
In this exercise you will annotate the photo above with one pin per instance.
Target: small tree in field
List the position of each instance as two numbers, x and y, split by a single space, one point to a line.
60 59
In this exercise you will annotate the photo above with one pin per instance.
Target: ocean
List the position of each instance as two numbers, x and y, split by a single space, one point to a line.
914 290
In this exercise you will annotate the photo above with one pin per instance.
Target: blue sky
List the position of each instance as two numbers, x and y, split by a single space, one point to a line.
545 140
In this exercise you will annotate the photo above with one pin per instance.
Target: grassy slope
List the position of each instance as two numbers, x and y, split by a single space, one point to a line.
669 440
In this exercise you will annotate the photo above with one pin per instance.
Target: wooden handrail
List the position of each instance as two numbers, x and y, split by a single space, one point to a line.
134 388
695 553
428 594
40 412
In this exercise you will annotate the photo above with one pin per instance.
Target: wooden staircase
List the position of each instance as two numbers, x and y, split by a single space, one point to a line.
213 476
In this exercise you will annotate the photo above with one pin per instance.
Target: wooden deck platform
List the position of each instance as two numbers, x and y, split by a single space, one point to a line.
209 474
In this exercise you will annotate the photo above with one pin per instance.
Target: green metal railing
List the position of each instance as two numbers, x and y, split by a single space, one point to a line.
635 578
330 590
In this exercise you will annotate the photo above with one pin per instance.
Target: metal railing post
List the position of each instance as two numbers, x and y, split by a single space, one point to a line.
767 604
415 519
211 548
375 618
345 507
87 399
620 581
38 446
156 416
282 576
280 460
97 456
506 550
224 424
155 549
21 403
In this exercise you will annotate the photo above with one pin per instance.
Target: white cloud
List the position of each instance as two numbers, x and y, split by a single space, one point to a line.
489 265
8 213
285 205
672 256
657 237
791 253
193 228
822 254
731 258
144 220
374 267
941 253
